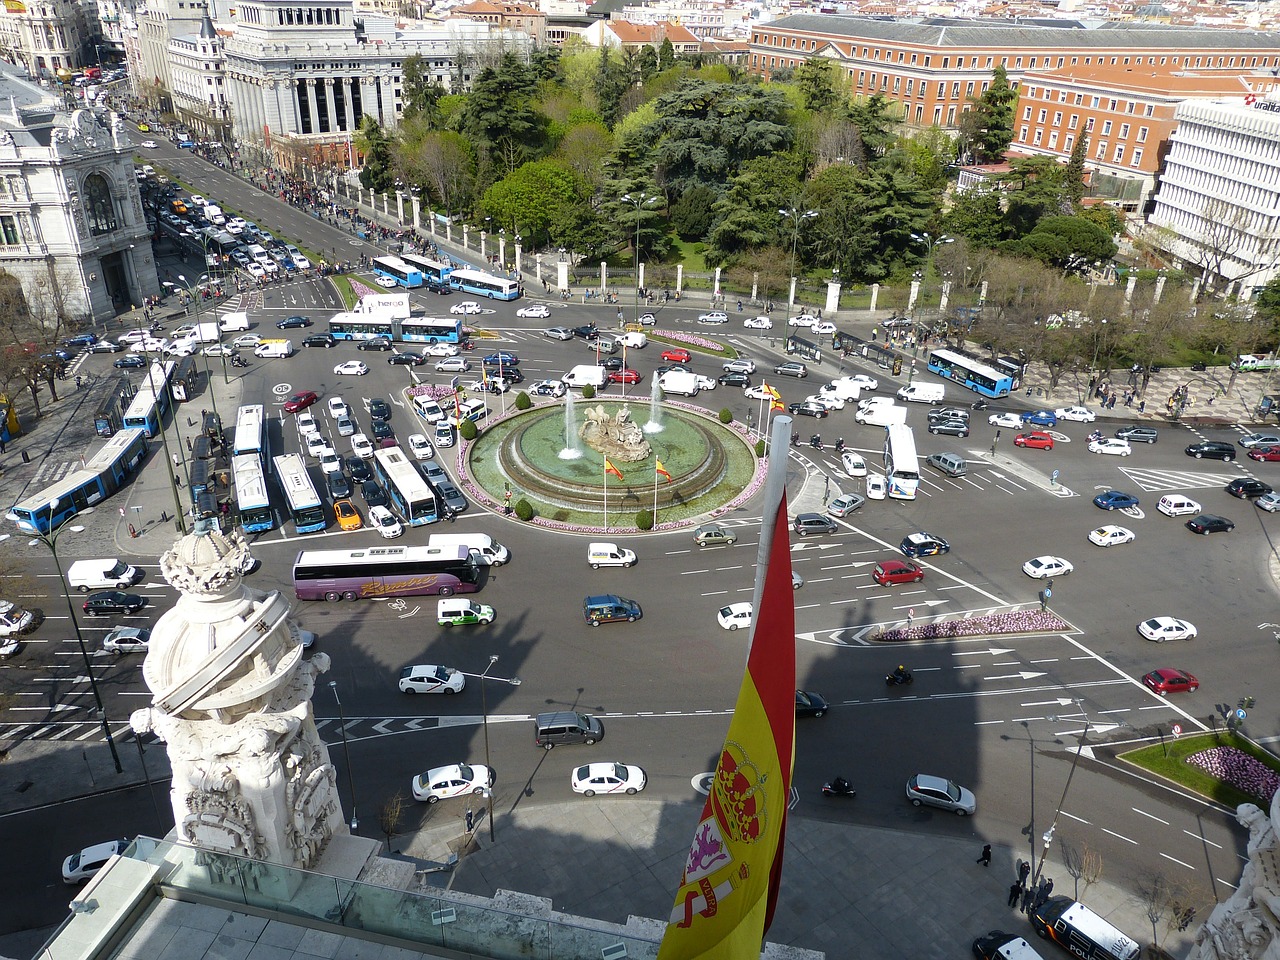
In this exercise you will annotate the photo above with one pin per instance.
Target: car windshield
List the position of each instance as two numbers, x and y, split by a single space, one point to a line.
620 771
465 771
953 791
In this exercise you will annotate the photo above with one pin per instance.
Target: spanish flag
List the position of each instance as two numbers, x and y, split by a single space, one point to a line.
610 468
729 886
776 404
662 472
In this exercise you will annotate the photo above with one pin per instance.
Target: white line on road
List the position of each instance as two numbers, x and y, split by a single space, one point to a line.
1151 815
1197 836
1120 836
1177 861
1074 817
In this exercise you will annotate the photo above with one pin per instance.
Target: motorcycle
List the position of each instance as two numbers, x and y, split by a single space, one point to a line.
839 787
839 444
898 679
1095 436
238 361
816 441
980 405
795 439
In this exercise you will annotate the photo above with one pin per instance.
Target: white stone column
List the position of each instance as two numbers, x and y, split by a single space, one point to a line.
915 293
679 277
519 267
502 250
1128 287
330 108
640 276
755 285
833 296
982 293
875 295
946 296
399 206
562 275
716 288
312 107
417 211
791 294
465 230
348 89
1160 281
431 218
484 253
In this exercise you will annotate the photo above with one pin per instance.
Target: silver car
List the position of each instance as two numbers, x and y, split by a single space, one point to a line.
941 793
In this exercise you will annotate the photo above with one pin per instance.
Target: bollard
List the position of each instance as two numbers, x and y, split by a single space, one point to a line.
26 458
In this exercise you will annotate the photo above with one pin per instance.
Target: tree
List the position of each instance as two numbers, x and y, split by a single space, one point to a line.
1073 176
422 95
692 214
875 124
372 141
1223 229
448 168
584 150
978 217
988 125
1070 243
499 116
930 153
1082 863
666 54
1033 190
389 817
817 86
532 200
747 214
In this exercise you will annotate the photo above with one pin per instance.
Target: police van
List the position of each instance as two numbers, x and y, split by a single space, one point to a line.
1079 930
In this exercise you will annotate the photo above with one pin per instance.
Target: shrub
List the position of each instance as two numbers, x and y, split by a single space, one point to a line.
644 520
588 392
760 449
468 430
524 509
726 416
522 401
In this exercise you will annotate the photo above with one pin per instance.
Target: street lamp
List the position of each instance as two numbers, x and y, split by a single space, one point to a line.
50 540
796 218
1048 834
640 200
484 711
351 783
169 464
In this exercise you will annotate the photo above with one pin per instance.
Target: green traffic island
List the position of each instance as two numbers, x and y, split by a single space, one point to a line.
1223 766
693 343
991 625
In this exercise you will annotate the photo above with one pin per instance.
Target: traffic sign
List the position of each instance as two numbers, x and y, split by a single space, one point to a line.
1177 729
1048 593
1240 714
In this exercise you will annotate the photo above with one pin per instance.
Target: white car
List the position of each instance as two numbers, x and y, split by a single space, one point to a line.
330 462
133 336
465 307
361 447
593 778
706 383
338 408
254 269
248 340
197 200
1110 535
149 345
758 323
301 262
1078 414
431 678
861 380
219 350
829 400
647 319
305 421
452 365
270 266
537 311
180 348
877 486
235 226
456 780
548 388
150 144
853 464
316 445
1041 568
421 447
352 368
440 350
14 620
758 392
824 328
735 615
127 640
804 320
1111 446
1005 420
1161 629
387 282
713 317
385 522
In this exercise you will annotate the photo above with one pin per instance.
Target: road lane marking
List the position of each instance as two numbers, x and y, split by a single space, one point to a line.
1077 819
1197 836
1177 861
1120 836
1151 815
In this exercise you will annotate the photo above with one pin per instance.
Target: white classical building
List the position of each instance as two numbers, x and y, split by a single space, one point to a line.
199 84
1218 205
158 22
45 36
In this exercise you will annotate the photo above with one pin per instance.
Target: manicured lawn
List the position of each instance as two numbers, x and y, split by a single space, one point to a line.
688 254
1173 767
343 283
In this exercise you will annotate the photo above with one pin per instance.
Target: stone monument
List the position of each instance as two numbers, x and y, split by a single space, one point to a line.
231 697
618 437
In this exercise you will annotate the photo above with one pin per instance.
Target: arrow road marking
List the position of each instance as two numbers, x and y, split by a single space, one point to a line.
1023 675
990 651
1061 702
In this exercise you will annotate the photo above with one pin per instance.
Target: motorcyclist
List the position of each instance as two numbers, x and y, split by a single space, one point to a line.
816 441
1096 435
900 674
839 444
841 785
795 439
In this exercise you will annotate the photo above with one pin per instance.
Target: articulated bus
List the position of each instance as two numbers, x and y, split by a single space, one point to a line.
361 326
376 572
407 489
435 275
484 284
183 380
399 271
147 409
973 374
305 507
251 433
109 416
101 476
251 494
900 464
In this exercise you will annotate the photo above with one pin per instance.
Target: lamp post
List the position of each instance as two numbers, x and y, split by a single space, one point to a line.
50 540
1097 344
484 711
1048 834
796 217
640 200
168 457
351 783
929 242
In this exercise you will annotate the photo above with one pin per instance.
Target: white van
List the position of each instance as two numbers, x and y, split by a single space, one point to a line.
491 552
234 322
609 555
1177 505
881 414
922 392
86 575
474 410
679 382
428 409
274 349
586 374
213 213
634 340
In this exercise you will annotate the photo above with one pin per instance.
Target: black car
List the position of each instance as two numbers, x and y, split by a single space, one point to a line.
113 602
734 380
509 374
807 408
1207 523
952 428
611 363
358 467
1213 449
131 362
379 409
585 331
374 343
810 704
452 496
373 494
1138 434
406 360
289 323
325 340
676 367
1246 487
382 430
338 485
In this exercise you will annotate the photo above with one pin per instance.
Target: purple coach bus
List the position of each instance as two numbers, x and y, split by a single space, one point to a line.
378 572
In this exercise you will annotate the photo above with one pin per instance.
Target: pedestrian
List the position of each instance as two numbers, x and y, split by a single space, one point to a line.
1024 871
1028 899
1142 406
1015 893
985 858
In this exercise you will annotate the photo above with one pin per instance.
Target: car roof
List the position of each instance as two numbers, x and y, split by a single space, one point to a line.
928 782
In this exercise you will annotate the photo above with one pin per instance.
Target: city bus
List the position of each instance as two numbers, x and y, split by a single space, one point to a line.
434 274
101 476
305 507
363 326
182 382
407 489
109 416
399 271
901 467
1013 367
430 329
484 284
377 572
251 433
147 409
1248 363
968 372
251 494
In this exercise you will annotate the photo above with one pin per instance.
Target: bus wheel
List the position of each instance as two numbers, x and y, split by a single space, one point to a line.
446 591
332 596
349 595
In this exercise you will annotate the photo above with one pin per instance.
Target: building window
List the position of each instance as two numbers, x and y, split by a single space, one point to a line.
1137 158
1119 152
1043 115
1026 112
1053 140
98 205
1039 135
10 227
1102 149
1124 131
968 88
1142 135
1068 143
1106 128
1075 121
1022 134
1057 118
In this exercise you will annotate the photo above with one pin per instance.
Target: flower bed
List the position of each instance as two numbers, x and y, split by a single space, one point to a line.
363 289
1237 769
692 339
1018 621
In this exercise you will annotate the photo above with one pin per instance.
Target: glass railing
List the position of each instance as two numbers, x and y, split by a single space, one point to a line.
384 911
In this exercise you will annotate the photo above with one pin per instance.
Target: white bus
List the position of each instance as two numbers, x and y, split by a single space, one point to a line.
406 487
251 432
900 464
484 284
251 494
305 507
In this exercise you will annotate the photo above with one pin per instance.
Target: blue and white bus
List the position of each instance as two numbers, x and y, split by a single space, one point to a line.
305 507
362 326
147 409
251 433
406 487
901 466
251 494
484 284
968 372
101 476
434 274
399 271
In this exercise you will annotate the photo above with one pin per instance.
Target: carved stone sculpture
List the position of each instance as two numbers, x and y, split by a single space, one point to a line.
617 437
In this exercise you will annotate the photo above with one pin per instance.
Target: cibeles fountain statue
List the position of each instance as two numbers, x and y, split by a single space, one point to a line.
617 437
231 697
1247 925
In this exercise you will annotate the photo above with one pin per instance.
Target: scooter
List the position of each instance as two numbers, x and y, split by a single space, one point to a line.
1095 436
839 444
239 361
816 441
981 405
895 680
839 787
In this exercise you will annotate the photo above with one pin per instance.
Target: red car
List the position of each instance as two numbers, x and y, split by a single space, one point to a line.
676 355
626 375
1166 680
300 401
897 571
1264 453
1035 440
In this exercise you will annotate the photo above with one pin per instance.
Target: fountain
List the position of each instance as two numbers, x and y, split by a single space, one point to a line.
655 411
572 448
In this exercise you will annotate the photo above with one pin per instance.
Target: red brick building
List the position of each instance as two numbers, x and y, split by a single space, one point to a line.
508 16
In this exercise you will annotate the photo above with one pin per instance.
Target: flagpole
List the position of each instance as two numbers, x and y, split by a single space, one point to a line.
655 496
606 493
775 488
